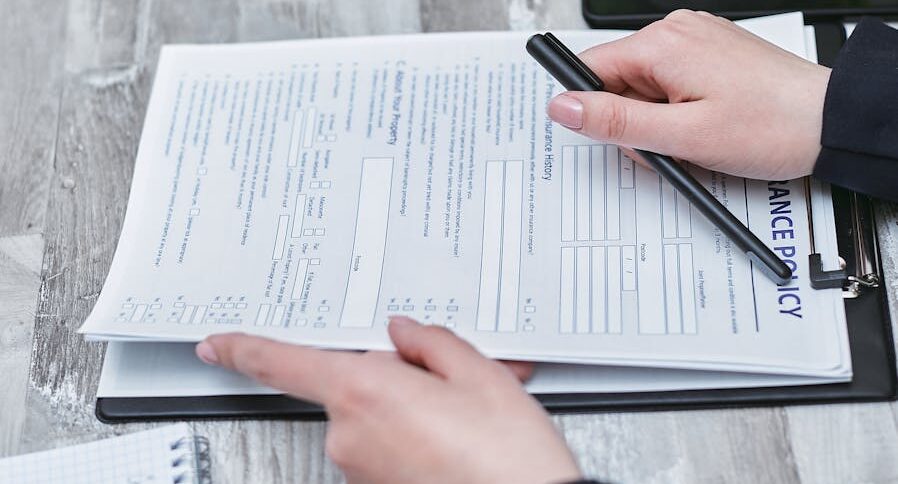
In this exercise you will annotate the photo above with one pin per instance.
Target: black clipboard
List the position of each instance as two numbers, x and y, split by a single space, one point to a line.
869 332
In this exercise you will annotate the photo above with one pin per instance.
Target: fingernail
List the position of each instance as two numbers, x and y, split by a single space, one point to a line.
401 321
566 110
206 352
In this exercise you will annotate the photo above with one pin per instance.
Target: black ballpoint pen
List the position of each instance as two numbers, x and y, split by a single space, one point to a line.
574 75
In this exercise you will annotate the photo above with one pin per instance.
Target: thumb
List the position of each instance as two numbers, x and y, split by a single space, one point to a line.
620 120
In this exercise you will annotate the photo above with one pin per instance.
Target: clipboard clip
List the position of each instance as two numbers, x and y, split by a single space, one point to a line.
863 238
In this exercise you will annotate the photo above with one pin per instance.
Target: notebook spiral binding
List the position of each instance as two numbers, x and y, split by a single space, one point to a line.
192 462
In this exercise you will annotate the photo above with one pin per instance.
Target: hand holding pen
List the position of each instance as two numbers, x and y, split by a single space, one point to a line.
697 124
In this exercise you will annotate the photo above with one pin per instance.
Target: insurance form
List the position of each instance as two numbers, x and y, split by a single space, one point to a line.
308 190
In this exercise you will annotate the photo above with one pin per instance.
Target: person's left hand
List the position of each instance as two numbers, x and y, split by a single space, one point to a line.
435 411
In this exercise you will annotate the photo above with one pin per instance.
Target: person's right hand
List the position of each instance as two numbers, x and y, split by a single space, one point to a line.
700 88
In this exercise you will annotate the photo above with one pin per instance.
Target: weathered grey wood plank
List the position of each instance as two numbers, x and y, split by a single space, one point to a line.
357 17
440 16
844 443
20 267
104 35
31 37
744 445
544 14
30 89
100 116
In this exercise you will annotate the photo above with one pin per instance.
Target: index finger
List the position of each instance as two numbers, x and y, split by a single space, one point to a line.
616 62
303 372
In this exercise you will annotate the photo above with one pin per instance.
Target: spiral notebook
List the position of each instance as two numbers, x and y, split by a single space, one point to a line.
166 455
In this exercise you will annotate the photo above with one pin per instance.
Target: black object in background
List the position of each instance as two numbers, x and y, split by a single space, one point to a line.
637 13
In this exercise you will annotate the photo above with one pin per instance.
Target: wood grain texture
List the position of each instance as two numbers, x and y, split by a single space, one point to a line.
746 445
544 14
72 101
442 16
20 266
31 40
101 111
30 93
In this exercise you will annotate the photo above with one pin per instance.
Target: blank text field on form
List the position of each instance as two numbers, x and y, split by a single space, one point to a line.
497 305
679 289
568 192
309 128
295 139
590 193
597 186
598 289
299 282
369 245
612 192
280 237
583 182
299 215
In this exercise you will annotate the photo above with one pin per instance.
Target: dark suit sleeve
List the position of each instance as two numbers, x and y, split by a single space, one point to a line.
860 114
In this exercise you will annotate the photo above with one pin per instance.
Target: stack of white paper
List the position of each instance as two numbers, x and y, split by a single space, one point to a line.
308 190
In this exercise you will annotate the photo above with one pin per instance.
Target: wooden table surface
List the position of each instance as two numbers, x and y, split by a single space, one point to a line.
75 78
